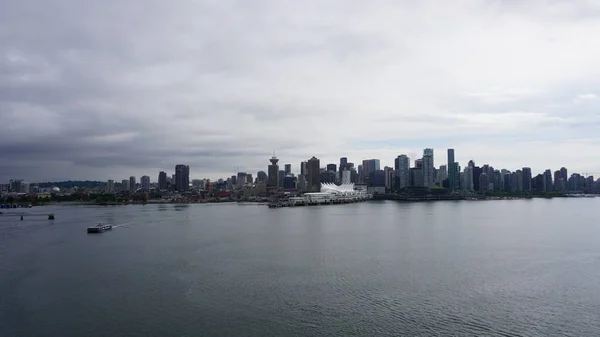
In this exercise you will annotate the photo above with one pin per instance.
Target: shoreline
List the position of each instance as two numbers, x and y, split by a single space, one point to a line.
376 197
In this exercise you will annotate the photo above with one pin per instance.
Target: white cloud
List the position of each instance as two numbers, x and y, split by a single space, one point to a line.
585 97
223 84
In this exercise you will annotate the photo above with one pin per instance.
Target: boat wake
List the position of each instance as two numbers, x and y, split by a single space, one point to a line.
121 225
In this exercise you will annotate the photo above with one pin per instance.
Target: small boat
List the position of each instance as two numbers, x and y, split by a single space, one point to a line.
50 216
99 228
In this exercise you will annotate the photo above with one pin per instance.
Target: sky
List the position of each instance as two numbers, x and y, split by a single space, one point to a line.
108 89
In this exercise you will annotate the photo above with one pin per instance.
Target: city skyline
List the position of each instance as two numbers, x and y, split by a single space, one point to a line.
295 168
505 83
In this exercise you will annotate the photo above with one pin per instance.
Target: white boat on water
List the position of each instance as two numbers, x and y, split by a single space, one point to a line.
99 228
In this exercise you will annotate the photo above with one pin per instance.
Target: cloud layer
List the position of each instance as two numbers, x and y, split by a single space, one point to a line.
109 89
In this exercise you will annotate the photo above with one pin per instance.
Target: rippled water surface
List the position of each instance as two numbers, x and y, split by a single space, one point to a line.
487 268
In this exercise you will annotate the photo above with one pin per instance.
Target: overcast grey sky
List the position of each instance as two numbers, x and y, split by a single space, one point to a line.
113 88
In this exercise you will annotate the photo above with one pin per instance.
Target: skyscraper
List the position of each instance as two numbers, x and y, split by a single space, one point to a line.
132 183
125 185
558 181
368 166
519 180
428 167
389 177
288 169
402 172
457 174
182 177
110 186
145 183
313 175
301 183
353 174
547 180
343 165
453 173
563 174
527 179
359 174
468 183
280 177
484 181
273 170
241 179
442 174
303 168
346 176
162 180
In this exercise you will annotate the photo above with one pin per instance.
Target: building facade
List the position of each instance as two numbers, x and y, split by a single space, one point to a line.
182 177
313 167
402 172
273 172
162 180
428 168
145 183
132 183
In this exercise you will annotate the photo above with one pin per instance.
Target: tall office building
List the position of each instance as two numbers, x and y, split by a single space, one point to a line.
453 172
331 167
110 186
125 185
346 176
145 183
182 177
273 171
280 177
132 183
468 183
303 168
484 182
162 180
261 176
428 168
519 180
353 175
301 183
450 167
368 166
313 175
547 180
240 179
563 174
496 179
527 179
402 172
416 177
389 177
441 175
343 165
360 178
14 185
288 169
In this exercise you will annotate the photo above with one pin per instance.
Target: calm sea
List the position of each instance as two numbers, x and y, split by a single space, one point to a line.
468 268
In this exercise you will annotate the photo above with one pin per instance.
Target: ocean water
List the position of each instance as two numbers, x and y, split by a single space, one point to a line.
465 268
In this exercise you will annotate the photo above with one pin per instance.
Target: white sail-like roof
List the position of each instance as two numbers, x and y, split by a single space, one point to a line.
335 189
